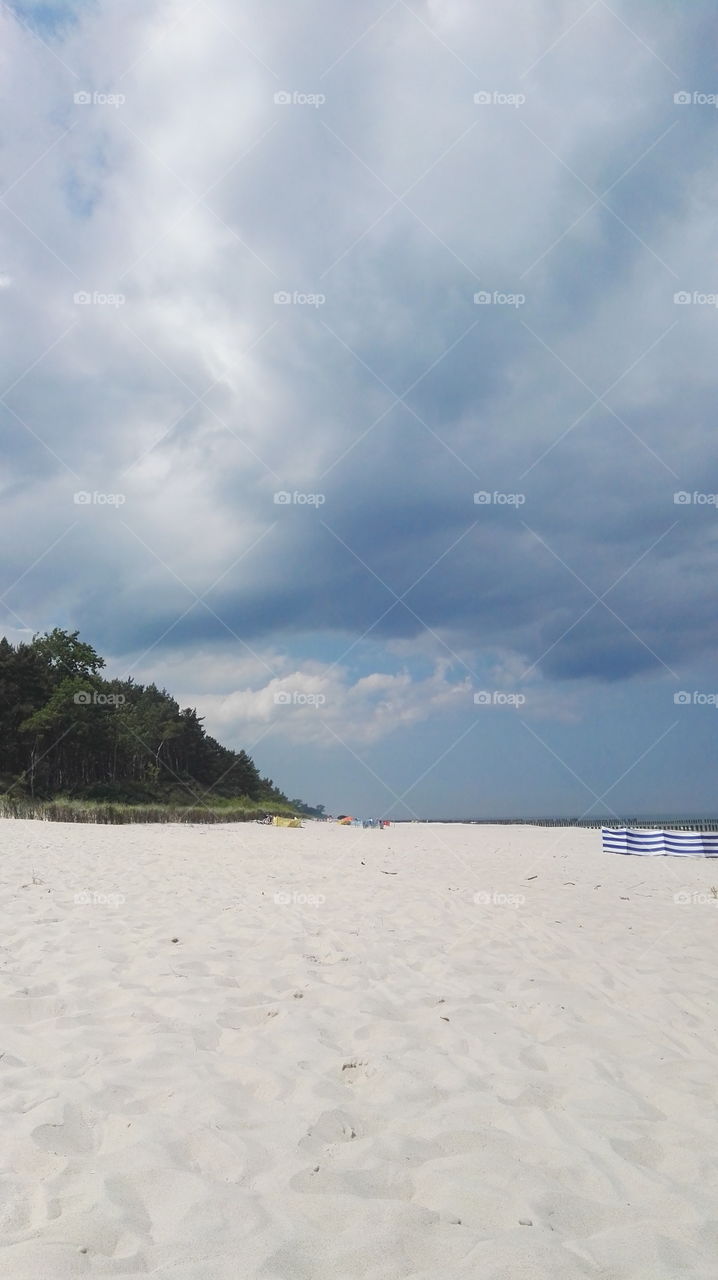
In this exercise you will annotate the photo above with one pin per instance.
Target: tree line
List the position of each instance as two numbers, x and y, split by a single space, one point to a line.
65 730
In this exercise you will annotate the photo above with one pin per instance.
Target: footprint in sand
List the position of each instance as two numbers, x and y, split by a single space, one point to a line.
355 1070
534 1095
332 1128
532 1058
642 1151
370 1184
244 1017
73 1136
24 1008
261 1085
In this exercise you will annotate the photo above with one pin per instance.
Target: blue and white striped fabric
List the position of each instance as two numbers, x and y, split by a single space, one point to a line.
682 844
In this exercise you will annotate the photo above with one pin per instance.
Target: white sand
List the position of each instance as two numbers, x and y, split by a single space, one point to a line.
382 1083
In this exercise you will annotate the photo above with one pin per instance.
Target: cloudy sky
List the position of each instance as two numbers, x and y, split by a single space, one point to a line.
358 384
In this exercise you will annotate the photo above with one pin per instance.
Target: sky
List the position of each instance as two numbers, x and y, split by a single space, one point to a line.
358 387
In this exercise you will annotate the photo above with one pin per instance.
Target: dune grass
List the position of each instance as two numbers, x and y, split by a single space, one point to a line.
67 809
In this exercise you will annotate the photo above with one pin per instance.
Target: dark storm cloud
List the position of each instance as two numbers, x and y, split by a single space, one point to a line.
498 397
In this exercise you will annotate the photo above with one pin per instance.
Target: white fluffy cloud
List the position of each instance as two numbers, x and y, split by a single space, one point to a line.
314 704
245 697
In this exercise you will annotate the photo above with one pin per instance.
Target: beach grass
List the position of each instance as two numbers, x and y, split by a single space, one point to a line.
69 809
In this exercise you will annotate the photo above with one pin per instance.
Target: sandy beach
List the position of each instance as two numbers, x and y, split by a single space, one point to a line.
336 1054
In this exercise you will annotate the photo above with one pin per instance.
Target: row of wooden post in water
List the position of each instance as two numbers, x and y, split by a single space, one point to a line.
653 824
